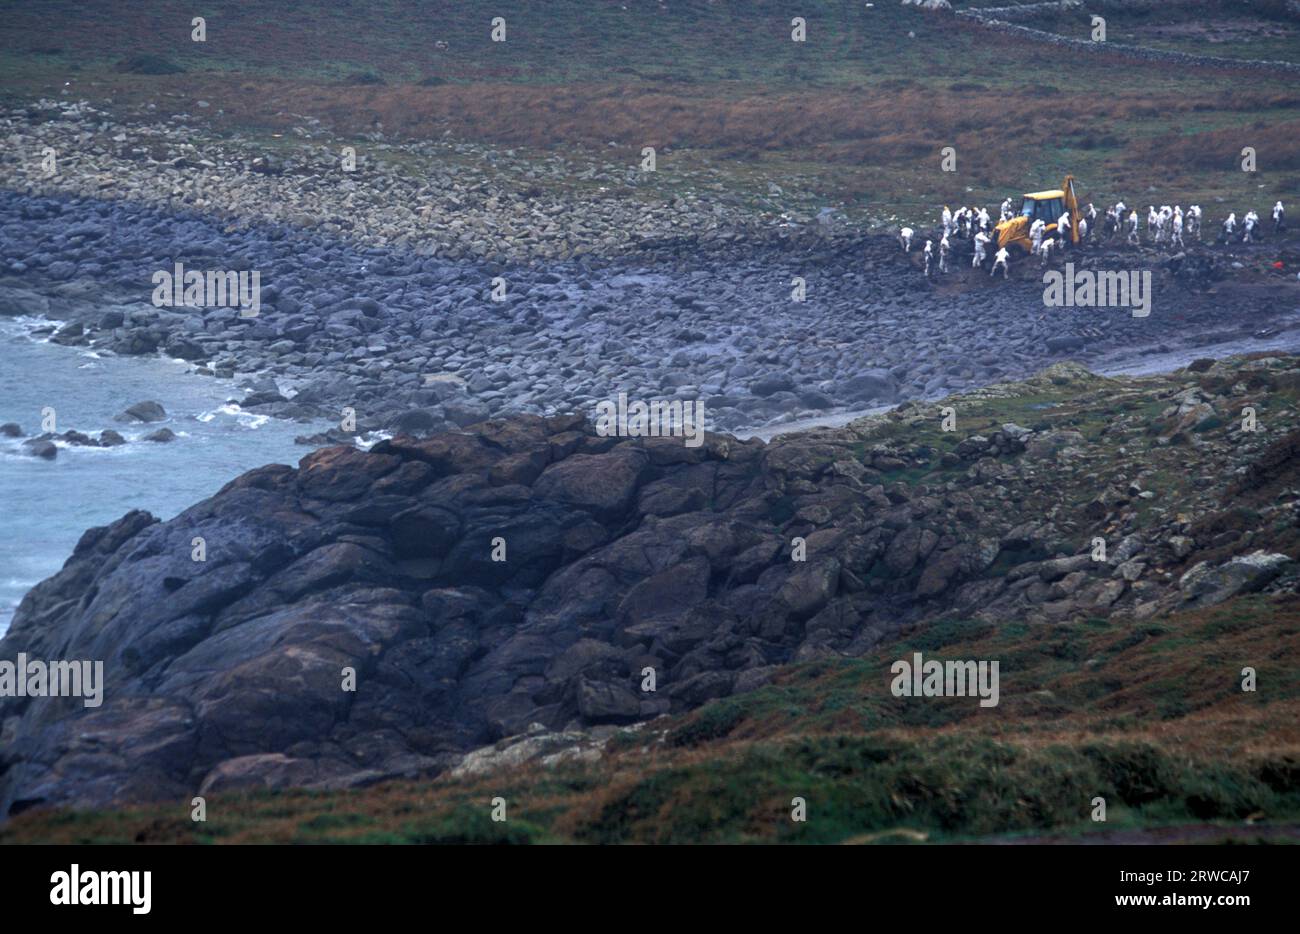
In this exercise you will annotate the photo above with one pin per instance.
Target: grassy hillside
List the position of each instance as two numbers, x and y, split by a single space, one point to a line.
1149 716
1254 29
567 41
858 113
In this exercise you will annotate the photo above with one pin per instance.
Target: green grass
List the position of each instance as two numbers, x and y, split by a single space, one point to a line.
1218 28
1148 716
561 41
948 787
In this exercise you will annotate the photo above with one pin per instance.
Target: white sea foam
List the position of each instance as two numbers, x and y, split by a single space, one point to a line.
374 438
244 419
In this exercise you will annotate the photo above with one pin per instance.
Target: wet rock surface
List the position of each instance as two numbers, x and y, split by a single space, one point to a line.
415 344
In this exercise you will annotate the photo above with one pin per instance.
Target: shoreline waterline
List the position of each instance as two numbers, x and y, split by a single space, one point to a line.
51 503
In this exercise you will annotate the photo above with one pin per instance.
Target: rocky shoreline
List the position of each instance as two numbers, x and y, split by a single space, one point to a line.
450 199
527 571
371 303
417 344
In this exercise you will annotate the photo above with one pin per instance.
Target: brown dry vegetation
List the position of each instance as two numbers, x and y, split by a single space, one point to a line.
1277 144
890 137
862 106
862 125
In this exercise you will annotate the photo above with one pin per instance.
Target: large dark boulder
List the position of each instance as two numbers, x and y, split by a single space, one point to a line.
604 484
375 614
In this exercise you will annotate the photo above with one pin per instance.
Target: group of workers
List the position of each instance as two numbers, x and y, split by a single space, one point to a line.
1165 226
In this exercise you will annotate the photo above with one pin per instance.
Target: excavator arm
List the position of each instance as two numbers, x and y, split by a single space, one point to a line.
1071 207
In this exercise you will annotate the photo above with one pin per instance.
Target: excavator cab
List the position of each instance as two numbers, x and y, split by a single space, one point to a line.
1047 206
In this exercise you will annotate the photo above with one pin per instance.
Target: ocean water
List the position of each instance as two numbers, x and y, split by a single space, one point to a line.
46 505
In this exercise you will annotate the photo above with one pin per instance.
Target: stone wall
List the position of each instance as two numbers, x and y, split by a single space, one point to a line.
986 19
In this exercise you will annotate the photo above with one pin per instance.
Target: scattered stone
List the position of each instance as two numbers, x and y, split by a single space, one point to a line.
39 447
143 412
1207 585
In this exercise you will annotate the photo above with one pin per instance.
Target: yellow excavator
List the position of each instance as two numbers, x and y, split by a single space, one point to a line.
1047 206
